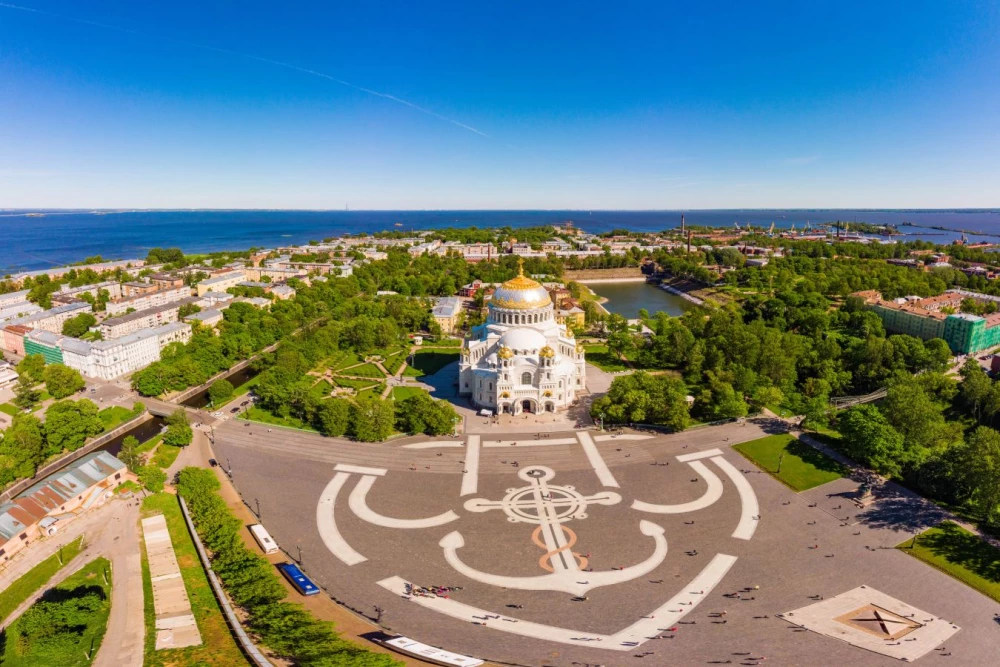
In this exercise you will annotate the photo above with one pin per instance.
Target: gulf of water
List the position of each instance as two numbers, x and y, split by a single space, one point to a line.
626 299
61 236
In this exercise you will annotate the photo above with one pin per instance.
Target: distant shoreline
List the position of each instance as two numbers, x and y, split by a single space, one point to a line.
591 281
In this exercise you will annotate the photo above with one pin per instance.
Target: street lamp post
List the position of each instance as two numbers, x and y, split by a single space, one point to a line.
258 508
781 457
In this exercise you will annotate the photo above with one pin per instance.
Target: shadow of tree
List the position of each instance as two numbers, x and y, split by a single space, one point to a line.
963 548
898 513
815 458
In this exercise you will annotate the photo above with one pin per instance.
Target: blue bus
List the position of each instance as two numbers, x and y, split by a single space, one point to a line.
301 582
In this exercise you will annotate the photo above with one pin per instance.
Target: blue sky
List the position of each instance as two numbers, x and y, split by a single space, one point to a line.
653 105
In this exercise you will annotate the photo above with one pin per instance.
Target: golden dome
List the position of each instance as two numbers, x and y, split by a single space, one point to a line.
547 352
505 352
520 293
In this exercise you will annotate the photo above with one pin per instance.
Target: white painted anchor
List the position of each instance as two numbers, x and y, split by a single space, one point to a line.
549 507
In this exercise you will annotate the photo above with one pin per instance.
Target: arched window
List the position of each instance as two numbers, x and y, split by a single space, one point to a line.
526 378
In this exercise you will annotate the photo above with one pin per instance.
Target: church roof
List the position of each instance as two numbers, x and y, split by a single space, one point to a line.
520 293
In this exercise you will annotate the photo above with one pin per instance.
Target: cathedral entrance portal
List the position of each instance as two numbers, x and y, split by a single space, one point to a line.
526 406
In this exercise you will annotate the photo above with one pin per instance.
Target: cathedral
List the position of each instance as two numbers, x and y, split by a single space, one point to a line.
521 359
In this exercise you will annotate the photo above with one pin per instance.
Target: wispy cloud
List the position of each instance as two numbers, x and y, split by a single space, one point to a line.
806 159
249 56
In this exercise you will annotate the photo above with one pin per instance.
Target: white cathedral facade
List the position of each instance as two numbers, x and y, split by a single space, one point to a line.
521 359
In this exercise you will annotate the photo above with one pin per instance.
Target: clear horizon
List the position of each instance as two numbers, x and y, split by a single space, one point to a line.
394 107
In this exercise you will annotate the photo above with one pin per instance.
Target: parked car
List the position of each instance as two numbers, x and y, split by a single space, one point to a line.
213 462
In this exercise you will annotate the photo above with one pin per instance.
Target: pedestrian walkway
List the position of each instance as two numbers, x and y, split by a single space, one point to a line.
175 624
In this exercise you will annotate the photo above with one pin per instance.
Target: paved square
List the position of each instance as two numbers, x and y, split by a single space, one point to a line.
874 621
581 547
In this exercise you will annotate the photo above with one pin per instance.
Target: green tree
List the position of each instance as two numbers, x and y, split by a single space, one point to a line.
62 381
333 417
421 413
869 438
372 419
980 458
976 388
32 367
644 398
68 424
220 392
152 477
178 433
78 325
129 454
25 395
619 337
23 448
150 381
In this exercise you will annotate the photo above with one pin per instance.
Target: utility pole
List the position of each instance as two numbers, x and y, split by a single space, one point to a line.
258 508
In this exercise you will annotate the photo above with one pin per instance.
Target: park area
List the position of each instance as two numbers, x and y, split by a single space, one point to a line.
66 626
960 554
791 461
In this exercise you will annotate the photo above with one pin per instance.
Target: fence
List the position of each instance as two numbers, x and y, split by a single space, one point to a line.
249 648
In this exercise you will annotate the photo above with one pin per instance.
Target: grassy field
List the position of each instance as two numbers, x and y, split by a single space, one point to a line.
35 578
218 647
114 416
403 393
244 388
256 414
364 371
443 342
9 408
341 359
599 356
802 467
355 384
393 363
428 362
321 389
148 446
957 552
374 392
90 636
165 455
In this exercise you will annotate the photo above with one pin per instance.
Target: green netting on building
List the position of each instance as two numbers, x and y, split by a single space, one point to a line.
53 355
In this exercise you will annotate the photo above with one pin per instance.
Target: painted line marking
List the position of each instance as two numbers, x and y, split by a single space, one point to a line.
711 495
434 444
361 470
359 505
327 524
626 639
748 500
624 436
699 455
596 460
470 478
529 443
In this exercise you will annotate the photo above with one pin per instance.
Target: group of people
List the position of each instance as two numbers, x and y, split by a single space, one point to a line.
431 591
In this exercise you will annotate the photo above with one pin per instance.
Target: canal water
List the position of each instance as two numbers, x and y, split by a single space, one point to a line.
239 378
142 433
626 299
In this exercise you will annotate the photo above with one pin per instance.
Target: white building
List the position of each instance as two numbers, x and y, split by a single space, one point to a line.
221 282
53 318
11 298
150 300
123 325
19 309
521 359
109 359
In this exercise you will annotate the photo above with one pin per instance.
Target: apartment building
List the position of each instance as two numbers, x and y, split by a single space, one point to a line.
123 325
145 301
222 282
53 318
110 359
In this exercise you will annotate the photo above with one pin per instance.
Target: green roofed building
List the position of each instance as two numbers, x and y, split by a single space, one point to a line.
45 343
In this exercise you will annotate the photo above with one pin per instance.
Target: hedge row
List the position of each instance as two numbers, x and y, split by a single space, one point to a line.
251 582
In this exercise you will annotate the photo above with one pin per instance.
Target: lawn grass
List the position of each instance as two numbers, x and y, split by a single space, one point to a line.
392 364
599 356
403 393
802 467
374 392
957 552
166 455
443 342
67 654
364 371
114 417
354 384
218 646
428 362
321 389
256 414
148 446
36 577
341 359
9 408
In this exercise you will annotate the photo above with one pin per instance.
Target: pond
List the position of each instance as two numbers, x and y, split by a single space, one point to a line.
626 299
